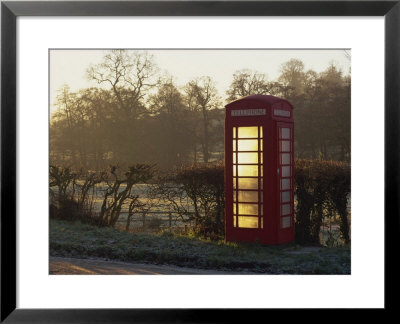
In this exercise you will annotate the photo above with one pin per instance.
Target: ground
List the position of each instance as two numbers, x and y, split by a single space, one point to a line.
64 266
80 241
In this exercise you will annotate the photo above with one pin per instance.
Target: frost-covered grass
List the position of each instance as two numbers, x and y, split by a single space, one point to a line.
86 241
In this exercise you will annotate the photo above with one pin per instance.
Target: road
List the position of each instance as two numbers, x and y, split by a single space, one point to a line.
72 266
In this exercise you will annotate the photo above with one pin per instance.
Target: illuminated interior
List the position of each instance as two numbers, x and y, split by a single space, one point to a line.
247 177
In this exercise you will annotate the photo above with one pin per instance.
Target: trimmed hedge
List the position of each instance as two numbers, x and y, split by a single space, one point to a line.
204 186
322 189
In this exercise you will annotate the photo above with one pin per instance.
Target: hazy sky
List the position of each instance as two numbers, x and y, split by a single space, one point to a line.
69 66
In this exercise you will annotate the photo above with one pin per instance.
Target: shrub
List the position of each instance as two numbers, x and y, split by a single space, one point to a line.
154 223
119 191
204 186
72 193
70 197
197 194
322 188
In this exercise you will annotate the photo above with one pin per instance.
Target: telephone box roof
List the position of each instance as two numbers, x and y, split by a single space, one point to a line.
256 100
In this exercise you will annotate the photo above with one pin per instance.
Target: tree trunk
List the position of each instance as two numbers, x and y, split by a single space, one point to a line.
205 134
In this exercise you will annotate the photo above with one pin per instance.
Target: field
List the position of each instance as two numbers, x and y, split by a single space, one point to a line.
157 214
86 241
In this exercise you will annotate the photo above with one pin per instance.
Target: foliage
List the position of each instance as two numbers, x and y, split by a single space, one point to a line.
134 115
154 223
321 102
322 188
322 110
246 82
333 239
72 193
170 126
201 99
197 194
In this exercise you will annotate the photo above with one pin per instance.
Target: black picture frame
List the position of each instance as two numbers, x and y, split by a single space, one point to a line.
11 10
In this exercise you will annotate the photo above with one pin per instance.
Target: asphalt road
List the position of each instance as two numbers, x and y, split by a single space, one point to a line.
72 266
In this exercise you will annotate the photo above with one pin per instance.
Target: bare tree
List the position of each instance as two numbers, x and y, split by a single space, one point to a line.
128 74
202 96
347 54
119 192
246 82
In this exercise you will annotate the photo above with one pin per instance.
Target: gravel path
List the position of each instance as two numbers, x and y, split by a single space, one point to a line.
72 266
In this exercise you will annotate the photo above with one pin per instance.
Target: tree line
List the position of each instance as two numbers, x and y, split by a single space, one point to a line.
137 115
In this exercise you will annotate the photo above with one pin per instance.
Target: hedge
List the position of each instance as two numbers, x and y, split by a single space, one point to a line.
322 189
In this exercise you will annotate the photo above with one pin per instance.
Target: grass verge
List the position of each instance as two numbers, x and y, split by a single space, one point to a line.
86 241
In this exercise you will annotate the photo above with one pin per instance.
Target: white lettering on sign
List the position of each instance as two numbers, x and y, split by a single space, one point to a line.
248 112
280 112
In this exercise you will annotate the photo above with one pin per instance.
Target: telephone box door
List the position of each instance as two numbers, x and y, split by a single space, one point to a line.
285 180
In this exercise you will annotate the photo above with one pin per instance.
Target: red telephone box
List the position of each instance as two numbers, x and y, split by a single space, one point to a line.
259 167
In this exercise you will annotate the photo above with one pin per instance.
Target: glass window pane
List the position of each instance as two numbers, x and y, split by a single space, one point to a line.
286 222
234 209
285 184
261 209
261 158
234 221
261 132
248 183
234 183
248 222
248 196
234 170
285 196
286 209
248 132
285 146
286 171
281 113
248 170
261 145
234 195
234 132
247 158
234 145
248 209
234 158
248 145
285 133
262 222
285 158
